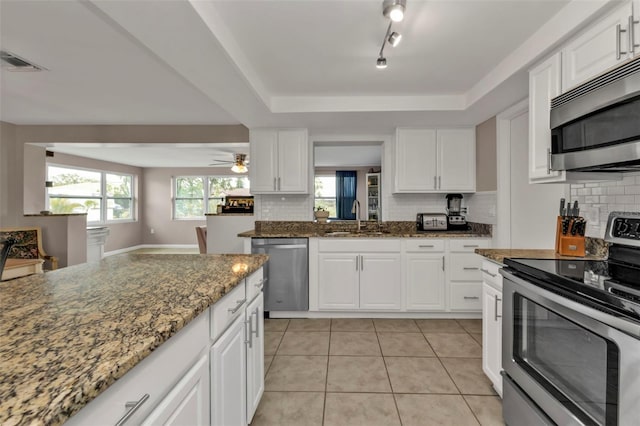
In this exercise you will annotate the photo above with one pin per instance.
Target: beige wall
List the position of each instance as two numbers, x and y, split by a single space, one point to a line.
486 158
157 205
8 185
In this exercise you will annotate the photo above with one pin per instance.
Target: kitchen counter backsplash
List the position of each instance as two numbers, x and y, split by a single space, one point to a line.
391 227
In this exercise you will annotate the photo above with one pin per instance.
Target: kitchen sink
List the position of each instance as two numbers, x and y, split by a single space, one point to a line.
339 233
362 233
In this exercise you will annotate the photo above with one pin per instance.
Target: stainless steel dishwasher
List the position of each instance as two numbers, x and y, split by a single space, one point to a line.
287 272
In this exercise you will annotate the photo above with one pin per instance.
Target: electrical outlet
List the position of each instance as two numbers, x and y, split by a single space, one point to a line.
152 231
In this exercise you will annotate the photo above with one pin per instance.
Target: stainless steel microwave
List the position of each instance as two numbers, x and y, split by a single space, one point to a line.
595 127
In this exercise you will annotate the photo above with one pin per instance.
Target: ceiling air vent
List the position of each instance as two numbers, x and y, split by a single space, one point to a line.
12 62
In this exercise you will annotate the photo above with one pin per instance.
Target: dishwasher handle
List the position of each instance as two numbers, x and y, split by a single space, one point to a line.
280 246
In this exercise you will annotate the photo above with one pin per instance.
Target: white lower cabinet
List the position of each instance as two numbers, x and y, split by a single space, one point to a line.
255 354
464 276
229 377
492 323
359 281
188 401
424 265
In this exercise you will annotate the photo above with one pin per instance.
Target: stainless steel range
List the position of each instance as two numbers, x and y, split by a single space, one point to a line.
571 335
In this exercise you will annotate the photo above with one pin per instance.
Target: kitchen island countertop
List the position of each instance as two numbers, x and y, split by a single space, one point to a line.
67 335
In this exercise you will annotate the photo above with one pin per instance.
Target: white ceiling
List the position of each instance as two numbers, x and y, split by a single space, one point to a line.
290 63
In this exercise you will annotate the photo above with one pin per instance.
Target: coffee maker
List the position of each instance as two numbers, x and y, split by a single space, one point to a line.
455 218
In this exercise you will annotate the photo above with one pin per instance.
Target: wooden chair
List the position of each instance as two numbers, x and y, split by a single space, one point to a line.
28 244
201 233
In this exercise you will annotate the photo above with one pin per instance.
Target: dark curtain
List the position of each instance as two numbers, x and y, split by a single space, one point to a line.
346 184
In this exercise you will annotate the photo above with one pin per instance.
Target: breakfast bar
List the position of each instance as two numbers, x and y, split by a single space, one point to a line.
68 335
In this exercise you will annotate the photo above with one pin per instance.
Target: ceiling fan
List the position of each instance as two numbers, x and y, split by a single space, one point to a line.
239 162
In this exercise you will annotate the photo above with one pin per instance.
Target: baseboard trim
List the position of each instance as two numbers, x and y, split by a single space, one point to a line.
147 246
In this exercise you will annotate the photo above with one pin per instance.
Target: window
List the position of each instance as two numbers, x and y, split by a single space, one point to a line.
325 194
103 196
197 195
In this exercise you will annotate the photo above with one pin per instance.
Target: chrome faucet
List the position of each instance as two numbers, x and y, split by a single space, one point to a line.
355 208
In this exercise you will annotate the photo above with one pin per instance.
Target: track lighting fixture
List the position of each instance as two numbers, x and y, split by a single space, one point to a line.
394 10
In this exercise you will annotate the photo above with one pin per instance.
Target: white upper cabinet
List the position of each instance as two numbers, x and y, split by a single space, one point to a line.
279 161
602 46
435 160
457 159
544 84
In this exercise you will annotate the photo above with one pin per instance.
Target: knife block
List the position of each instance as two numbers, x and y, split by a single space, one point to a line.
568 245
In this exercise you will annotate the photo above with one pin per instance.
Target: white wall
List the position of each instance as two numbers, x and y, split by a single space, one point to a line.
598 199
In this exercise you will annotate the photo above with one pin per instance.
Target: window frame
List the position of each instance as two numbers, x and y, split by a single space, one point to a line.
331 174
103 197
206 197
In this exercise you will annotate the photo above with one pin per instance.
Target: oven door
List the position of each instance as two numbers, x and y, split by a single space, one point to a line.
572 361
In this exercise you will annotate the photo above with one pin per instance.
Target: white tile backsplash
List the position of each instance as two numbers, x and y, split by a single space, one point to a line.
600 198
283 207
482 207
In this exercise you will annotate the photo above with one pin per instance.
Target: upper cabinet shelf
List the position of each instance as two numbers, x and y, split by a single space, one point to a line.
435 160
279 161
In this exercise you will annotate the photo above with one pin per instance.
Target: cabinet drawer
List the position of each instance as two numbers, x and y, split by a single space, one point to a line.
468 245
491 274
359 245
225 310
465 267
465 296
255 283
424 245
153 376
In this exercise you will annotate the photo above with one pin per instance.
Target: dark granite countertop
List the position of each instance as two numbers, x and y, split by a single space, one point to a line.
363 234
68 334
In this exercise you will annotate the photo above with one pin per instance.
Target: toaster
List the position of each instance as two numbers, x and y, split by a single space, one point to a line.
431 222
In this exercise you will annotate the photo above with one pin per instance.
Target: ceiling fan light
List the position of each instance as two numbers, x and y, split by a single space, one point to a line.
239 168
394 9
381 63
395 38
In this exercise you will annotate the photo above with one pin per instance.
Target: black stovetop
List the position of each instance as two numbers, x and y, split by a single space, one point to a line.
610 285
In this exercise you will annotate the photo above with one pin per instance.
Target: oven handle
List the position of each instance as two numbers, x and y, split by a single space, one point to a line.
610 320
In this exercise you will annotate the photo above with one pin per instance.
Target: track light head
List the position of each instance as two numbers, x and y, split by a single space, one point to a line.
381 63
394 9
394 39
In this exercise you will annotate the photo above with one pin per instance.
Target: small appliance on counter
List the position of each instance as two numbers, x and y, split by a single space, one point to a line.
237 205
431 222
455 219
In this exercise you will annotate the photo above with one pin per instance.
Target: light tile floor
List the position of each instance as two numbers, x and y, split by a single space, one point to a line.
375 372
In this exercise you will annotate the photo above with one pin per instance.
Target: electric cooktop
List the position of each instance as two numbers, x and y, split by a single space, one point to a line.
611 285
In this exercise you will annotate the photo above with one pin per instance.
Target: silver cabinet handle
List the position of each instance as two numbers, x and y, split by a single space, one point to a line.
471 297
435 182
362 263
468 268
632 41
248 334
471 246
257 330
486 271
549 149
279 187
132 407
357 263
495 308
275 187
426 246
238 306
443 263
439 182
619 32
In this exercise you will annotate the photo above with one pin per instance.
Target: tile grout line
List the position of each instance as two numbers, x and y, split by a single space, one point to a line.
326 377
386 369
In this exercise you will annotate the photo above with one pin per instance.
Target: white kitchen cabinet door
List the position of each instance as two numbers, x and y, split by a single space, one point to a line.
415 165
338 281
456 159
263 170
544 84
255 354
229 377
380 281
597 49
293 161
492 335
188 402
425 284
